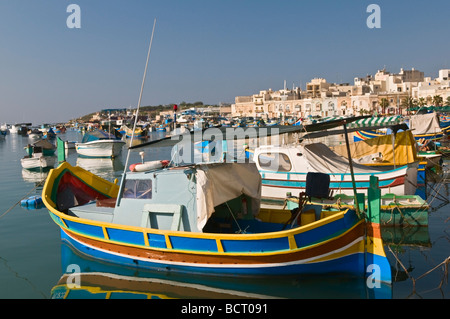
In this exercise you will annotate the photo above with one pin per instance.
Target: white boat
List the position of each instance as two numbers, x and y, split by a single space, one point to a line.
4 129
100 148
99 144
284 170
14 129
37 161
34 134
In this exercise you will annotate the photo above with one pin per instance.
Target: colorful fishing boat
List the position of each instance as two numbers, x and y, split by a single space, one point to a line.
139 132
362 135
391 150
50 134
99 143
444 123
207 219
423 127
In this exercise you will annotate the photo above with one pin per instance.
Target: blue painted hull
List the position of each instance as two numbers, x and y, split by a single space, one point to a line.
351 264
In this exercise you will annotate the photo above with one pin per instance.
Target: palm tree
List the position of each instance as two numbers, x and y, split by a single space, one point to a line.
407 103
384 103
437 100
422 101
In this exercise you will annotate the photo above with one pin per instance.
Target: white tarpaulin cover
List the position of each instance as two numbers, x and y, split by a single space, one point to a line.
218 183
424 124
322 159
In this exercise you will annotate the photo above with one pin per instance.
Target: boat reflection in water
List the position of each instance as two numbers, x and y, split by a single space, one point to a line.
37 176
103 167
86 278
108 281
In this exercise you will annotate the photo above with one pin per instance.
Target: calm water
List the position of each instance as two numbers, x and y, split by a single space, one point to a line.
33 259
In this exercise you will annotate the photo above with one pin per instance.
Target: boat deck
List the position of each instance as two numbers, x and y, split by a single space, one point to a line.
93 211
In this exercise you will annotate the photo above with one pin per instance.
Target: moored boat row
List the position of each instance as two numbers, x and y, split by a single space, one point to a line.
216 225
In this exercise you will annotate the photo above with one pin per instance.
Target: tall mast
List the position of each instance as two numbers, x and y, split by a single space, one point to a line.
137 110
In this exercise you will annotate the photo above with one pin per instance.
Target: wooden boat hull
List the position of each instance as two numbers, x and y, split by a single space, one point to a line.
100 148
340 243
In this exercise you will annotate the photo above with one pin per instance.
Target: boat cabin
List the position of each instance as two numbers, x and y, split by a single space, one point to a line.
176 198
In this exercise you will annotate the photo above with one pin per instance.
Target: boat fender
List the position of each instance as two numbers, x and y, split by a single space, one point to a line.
32 202
139 167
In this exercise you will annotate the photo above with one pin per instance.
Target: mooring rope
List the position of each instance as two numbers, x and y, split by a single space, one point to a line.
444 263
32 190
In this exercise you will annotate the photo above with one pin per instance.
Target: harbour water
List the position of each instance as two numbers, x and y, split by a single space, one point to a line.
36 264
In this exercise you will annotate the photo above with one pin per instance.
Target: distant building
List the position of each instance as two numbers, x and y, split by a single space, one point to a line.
330 99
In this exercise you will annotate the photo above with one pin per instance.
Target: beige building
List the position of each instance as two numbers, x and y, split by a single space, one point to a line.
329 99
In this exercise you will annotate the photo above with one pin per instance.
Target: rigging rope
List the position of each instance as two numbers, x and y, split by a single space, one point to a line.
32 190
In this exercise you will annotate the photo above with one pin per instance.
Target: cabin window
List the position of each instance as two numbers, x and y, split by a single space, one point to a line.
275 162
138 188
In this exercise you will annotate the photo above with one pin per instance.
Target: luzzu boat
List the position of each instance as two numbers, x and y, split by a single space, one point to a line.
138 132
363 135
207 219
423 126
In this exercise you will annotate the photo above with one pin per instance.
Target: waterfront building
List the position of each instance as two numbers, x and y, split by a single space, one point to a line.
383 93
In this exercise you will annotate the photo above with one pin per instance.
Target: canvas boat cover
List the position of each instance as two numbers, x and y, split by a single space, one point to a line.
322 159
45 144
404 153
425 124
97 135
219 183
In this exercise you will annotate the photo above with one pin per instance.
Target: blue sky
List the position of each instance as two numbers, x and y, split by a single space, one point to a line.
203 50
